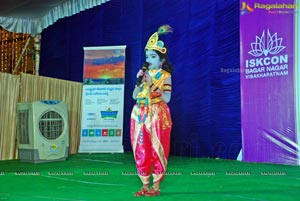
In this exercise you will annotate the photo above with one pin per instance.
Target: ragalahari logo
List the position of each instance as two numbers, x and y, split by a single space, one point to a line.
269 44
246 8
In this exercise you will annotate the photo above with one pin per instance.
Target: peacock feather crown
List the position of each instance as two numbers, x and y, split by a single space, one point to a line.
154 43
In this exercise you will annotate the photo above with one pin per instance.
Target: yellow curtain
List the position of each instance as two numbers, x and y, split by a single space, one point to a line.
28 88
9 94
44 88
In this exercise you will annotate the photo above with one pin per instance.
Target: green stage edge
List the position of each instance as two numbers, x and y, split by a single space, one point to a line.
89 177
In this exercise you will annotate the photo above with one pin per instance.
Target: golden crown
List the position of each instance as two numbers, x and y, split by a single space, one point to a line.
155 44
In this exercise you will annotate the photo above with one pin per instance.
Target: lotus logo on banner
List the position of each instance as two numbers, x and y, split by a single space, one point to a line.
267 62
271 45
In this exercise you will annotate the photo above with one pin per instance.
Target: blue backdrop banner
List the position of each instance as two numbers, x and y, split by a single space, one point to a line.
205 51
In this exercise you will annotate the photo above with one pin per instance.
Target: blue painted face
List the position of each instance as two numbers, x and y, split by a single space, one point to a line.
153 59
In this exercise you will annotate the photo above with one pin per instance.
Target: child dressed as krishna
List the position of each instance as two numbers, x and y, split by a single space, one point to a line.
150 125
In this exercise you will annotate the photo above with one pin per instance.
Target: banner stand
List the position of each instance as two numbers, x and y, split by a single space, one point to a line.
103 100
270 81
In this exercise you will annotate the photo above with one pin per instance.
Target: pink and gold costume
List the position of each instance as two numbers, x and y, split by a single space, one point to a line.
150 128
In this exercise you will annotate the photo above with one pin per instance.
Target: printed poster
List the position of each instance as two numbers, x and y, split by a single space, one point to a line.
103 100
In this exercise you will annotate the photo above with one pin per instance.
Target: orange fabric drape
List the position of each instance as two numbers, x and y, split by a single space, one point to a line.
11 46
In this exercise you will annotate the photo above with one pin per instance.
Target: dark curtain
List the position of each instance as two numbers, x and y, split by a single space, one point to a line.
204 49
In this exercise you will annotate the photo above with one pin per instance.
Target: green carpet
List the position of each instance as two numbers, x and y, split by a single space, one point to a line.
89 177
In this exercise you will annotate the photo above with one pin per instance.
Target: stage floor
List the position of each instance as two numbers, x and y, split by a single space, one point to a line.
91 177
